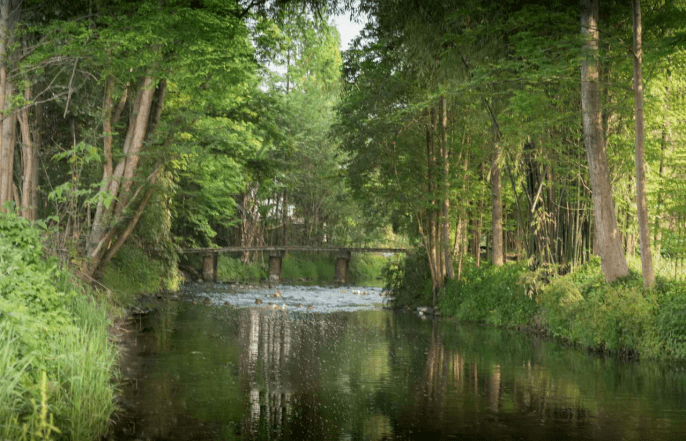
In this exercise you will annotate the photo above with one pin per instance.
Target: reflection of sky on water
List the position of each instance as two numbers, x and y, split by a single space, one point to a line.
250 373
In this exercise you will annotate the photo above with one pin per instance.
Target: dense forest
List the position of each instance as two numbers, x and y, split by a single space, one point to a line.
481 132
521 129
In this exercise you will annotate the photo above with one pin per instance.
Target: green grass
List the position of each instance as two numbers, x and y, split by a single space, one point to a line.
56 360
231 269
301 267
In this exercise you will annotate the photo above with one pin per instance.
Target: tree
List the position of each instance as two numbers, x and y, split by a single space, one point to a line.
641 204
605 219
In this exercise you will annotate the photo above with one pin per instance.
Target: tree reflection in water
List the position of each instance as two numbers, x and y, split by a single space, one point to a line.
224 373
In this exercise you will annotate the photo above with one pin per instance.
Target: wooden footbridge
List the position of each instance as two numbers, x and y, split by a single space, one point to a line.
343 255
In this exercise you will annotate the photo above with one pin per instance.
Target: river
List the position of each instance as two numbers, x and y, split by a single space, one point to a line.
346 369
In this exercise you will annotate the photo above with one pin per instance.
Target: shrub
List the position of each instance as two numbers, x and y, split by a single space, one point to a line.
409 280
619 317
131 272
490 294
671 318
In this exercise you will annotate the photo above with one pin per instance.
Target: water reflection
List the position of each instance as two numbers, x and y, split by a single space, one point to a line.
247 373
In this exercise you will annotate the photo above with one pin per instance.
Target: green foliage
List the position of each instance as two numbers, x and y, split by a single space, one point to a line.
622 317
55 354
132 272
301 267
231 269
671 318
409 279
495 295
367 268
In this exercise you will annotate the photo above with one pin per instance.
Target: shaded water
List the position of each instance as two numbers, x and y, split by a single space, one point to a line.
209 372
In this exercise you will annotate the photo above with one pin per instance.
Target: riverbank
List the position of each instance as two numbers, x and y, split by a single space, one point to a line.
620 318
61 340
56 357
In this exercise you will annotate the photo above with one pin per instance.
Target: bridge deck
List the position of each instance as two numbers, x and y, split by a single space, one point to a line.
293 248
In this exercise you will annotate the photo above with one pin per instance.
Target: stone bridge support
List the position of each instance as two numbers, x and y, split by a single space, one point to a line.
209 267
342 265
275 259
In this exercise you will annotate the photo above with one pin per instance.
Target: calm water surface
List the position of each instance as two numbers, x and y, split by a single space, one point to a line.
348 370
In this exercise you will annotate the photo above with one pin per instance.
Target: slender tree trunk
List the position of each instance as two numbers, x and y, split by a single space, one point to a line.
9 124
497 207
612 256
98 229
139 135
450 272
641 203
28 157
431 212
37 137
5 153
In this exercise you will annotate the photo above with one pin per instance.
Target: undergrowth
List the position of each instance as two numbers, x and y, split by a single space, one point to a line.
492 295
231 269
55 357
148 262
580 307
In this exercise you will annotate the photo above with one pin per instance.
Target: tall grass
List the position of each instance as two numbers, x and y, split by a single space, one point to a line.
231 269
56 361
301 267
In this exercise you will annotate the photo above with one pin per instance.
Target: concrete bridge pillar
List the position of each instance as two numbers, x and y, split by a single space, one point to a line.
275 258
209 267
342 265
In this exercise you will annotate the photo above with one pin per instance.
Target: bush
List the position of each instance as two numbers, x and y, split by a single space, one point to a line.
491 294
622 317
671 318
409 280
131 272
55 356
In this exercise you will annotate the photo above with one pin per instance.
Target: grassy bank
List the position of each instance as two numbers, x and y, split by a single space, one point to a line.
55 356
621 317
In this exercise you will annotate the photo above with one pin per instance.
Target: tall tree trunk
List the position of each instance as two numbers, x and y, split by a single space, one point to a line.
28 158
641 204
612 256
430 211
5 153
497 207
37 137
140 133
98 228
449 271
9 124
